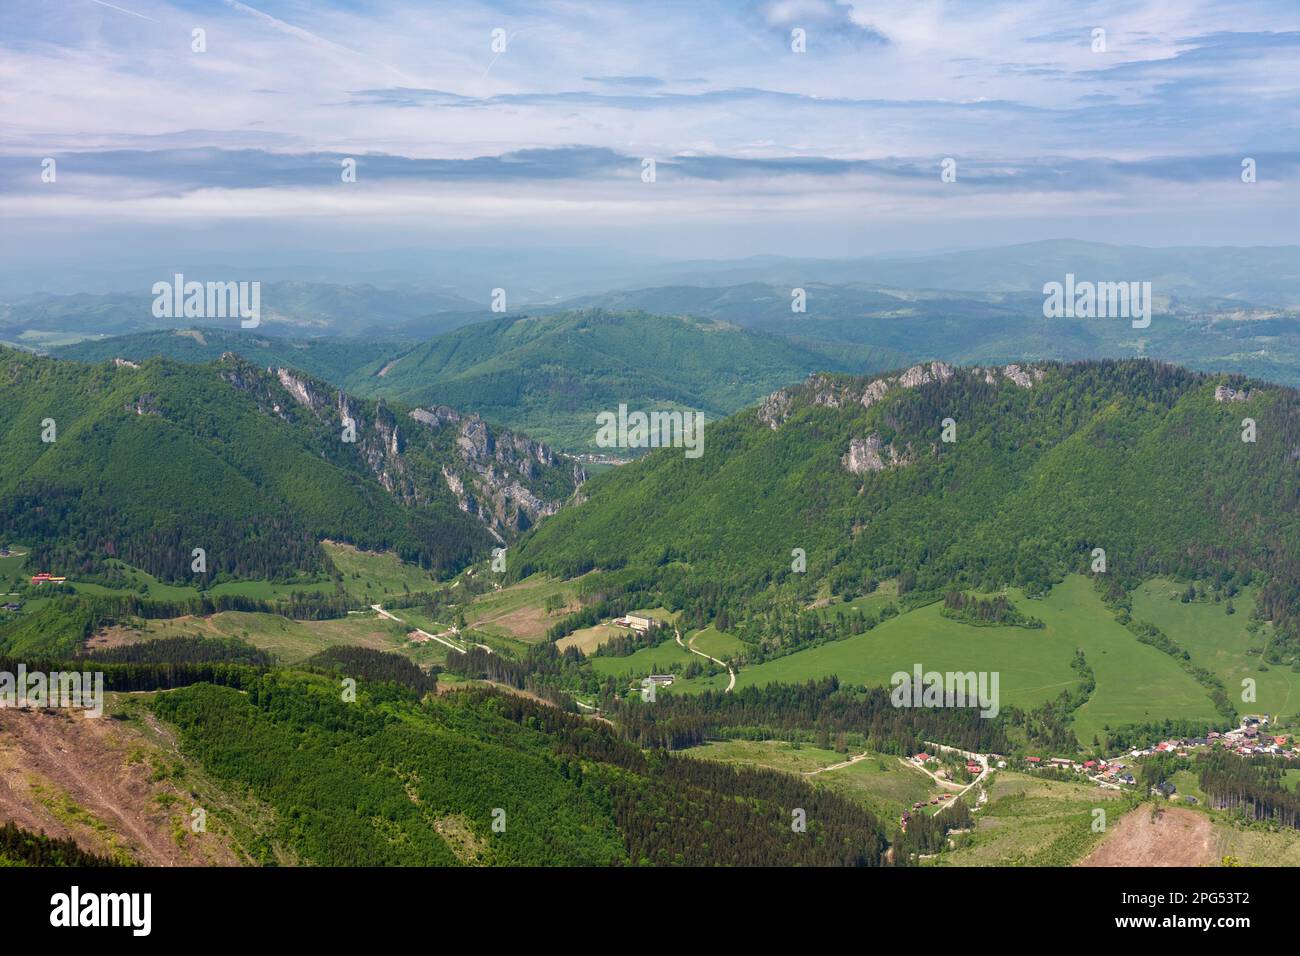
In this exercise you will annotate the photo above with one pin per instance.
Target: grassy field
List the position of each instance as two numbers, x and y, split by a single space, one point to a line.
1034 666
1188 785
882 783
716 644
1135 682
649 660
290 641
1256 846
1030 821
519 611
11 570
587 639
367 576
773 754
885 593
370 576
1220 642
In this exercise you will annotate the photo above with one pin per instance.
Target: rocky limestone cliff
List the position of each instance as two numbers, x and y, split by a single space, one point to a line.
1225 393
504 479
871 454
833 391
496 467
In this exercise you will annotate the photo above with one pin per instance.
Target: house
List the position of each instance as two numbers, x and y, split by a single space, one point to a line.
1034 760
1127 778
1089 764
12 606
922 757
974 768
46 576
664 679
639 624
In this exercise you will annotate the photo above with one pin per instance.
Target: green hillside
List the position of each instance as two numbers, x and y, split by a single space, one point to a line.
1048 464
251 465
485 779
549 375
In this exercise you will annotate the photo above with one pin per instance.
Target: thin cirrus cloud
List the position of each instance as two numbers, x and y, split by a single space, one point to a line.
560 122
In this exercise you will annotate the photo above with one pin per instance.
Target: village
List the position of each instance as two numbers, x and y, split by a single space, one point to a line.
1249 739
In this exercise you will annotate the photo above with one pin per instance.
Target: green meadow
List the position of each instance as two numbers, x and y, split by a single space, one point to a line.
367 576
1034 665
882 783
885 593
716 644
649 660
1135 682
290 641
371 575
1220 642
519 611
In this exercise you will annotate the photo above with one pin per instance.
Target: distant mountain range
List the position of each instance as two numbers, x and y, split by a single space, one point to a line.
1264 275
414 294
288 308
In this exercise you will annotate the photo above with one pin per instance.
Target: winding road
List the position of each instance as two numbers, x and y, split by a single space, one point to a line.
981 759
730 673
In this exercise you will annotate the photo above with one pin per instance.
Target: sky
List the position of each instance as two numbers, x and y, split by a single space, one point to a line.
530 124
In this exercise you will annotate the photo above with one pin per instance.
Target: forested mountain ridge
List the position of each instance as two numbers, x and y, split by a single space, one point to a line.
1048 462
551 374
332 358
254 465
1205 332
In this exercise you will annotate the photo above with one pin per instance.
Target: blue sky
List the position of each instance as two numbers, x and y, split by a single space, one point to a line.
833 151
